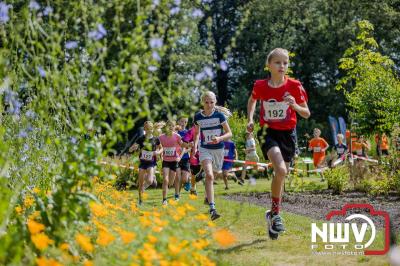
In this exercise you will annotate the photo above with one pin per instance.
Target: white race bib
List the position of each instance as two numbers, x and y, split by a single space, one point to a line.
275 110
147 155
340 150
210 133
317 149
170 151
226 152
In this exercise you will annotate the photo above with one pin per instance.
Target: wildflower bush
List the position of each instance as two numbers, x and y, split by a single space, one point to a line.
74 78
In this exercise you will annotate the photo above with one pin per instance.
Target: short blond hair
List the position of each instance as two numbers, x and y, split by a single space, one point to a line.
340 136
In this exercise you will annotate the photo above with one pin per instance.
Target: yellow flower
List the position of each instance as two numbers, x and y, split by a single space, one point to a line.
211 224
201 217
36 190
192 197
134 208
43 261
152 239
160 222
174 249
224 237
105 238
97 209
84 242
177 217
200 243
41 241
172 202
28 202
202 231
127 237
189 207
18 209
64 246
35 227
34 215
145 196
181 210
145 221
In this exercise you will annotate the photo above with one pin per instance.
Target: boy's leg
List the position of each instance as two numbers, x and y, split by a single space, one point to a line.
177 183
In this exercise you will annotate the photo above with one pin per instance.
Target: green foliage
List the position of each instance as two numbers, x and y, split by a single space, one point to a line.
370 84
337 178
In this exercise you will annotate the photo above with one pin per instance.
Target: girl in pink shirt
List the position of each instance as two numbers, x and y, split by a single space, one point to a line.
171 143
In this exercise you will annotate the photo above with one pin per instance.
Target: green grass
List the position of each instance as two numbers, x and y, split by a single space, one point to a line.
253 247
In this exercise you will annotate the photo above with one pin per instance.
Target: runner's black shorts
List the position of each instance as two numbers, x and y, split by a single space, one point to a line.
170 165
184 164
195 169
284 139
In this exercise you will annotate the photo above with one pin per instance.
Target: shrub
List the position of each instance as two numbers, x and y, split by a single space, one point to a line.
338 178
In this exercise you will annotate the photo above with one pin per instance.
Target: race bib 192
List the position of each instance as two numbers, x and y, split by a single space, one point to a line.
317 149
275 110
147 155
210 133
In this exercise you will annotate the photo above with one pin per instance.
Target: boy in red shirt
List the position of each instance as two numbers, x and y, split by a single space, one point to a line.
281 98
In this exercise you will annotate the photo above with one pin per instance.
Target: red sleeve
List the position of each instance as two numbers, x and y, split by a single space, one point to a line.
298 92
257 88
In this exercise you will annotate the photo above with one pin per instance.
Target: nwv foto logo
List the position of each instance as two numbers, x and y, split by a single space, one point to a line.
338 234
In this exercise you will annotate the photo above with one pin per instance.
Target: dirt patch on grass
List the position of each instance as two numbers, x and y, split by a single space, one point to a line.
317 204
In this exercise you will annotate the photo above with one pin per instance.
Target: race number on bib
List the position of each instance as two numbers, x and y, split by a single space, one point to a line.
340 150
226 152
275 110
170 151
147 155
209 134
317 149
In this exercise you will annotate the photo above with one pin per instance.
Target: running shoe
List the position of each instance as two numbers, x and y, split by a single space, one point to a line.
214 214
165 202
274 225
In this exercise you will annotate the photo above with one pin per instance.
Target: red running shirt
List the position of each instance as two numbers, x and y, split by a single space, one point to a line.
274 111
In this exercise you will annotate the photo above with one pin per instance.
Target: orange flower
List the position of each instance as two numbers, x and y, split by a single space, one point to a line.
202 231
211 224
145 221
189 207
152 239
172 202
157 229
43 261
88 263
98 209
105 238
41 241
84 242
127 237
224 237
35 227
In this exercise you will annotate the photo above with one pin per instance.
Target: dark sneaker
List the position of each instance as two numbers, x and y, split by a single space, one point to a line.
140 203
214 214
165 202
177 197
274 225
226 188
193 192
187 186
